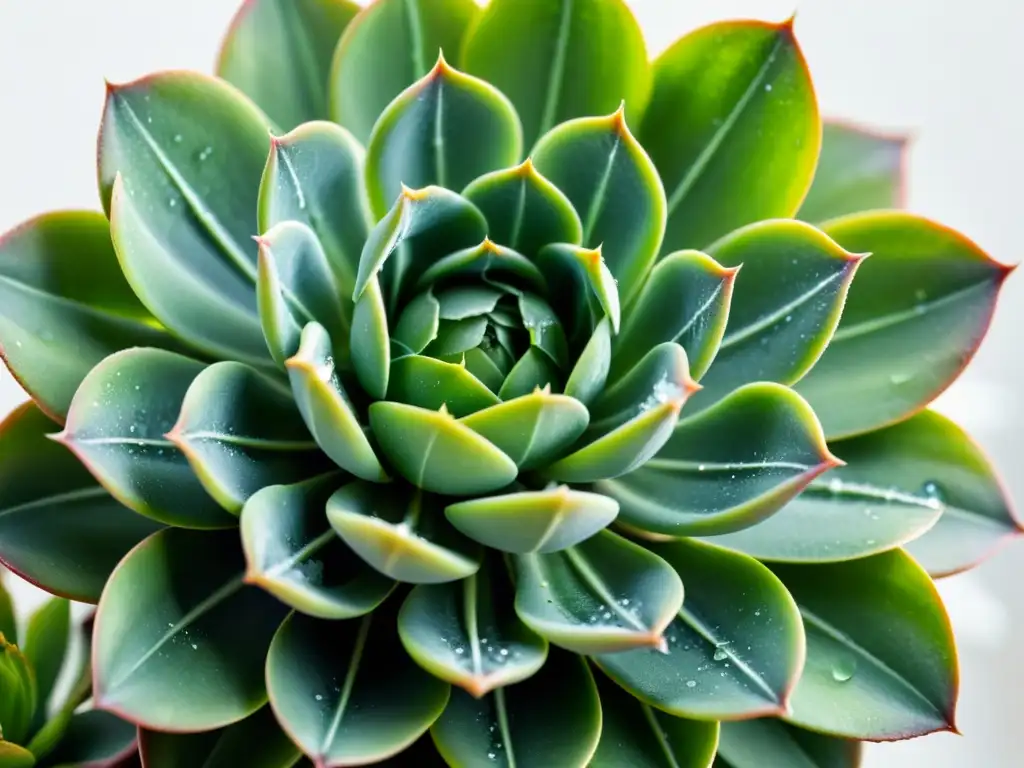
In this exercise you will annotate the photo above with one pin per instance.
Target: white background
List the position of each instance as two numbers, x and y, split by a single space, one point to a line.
946 70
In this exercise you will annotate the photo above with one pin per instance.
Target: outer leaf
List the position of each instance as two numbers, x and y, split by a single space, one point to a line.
402 534
59 529
534 370
636 735
858 170
193 659
314 175
45 645
326 408
279 53
524 210
184 207
614 186
256 742
292 552
117 427
533 521
446 129
8 619
346 692
686 299
391 45
729 467
735 649
532 429
419 323
64 305
431 384
789 297
13 756
425 446
553 718
771 743
18 697
467 633
881 662
602 596
925 287
96 739
562 69
733 128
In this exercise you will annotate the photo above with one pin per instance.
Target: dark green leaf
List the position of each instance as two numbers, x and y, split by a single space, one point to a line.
590 373
59 529
180 639
553 718
733 128
371 342
18 697
64 305
914 318
346 691
605 595
881 661
279 53
729 467
662 375
391 45
614 187
858 170
581 276
771 743
402 533
292 552
735 649
431 384
96 739
46 642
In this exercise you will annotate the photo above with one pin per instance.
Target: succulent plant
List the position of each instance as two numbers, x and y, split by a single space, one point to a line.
409 394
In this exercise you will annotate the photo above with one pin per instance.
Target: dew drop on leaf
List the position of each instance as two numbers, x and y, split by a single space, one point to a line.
843 669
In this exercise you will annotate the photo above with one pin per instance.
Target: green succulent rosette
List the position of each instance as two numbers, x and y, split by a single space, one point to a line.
533 404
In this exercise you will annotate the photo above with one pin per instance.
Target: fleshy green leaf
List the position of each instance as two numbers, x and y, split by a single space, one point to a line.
532 429
858 170
614 187
96 738
881 661
59 529
486 261
771 743
117 427
192 657
13 756
181 194
242 432
590 373
636 735
542 324
45 645
786 304
315 176
292 552
346 691
735 649
371 341
467 633
553 718
524 210
604 595
419 323
64 305
279 52
435 452
256 742
533 521
581 276
924 288
402 533
326 408
391 45
686 299
429 383
729 467
8 619
18 695
733 129
446 129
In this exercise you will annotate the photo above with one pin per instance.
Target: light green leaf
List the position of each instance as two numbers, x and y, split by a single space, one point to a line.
346 691
605 595
430 384
18 696
419 323
391 45
590 373
487 261
924 288
771 743
534 370
46 642
96 738
881 660
8 619
13 756
371 342
192 658
553 718
447 129
735 649
292 552
733 129
662 375
402 533
614 187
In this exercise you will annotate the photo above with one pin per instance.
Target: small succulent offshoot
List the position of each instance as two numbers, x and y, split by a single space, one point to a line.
530 405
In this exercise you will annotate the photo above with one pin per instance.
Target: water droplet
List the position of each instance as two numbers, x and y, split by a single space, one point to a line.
204 155
920 294
178 138
844 668
768 87
503 651
701 467
624 601
691 683
460 650
789 318
173 202
195 647
934 494
491 755
896 379
319 697
835 485
720 655
757 613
